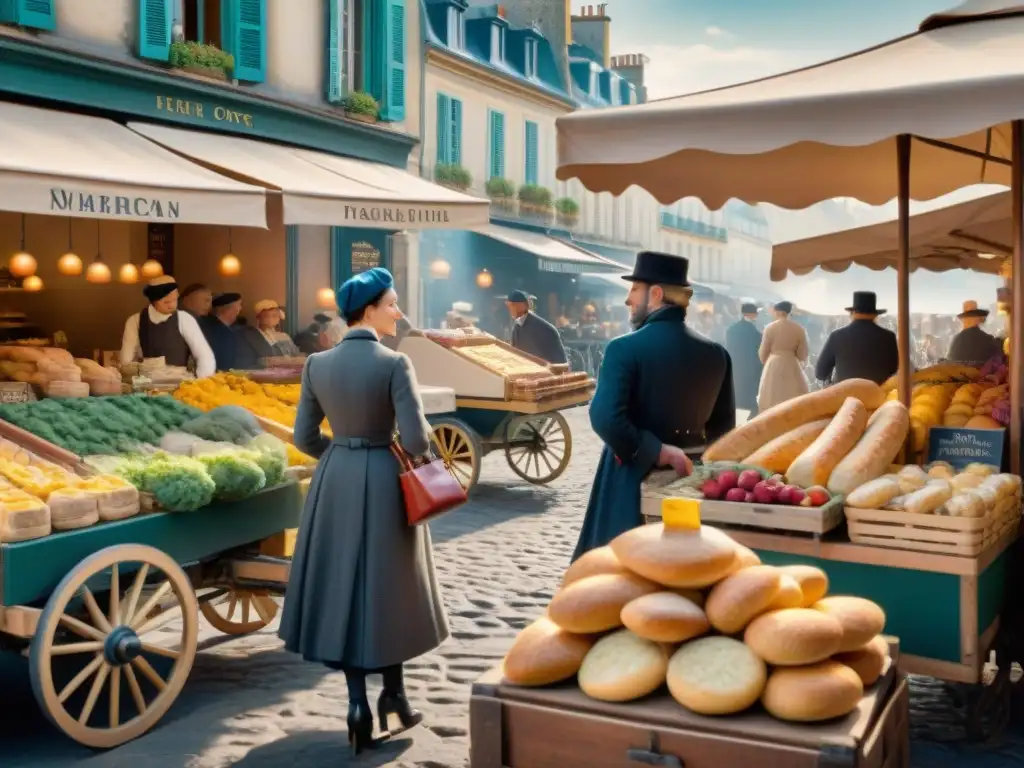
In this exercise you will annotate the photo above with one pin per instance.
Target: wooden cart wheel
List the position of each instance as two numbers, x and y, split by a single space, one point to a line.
117 648
459 447
538 447
240 611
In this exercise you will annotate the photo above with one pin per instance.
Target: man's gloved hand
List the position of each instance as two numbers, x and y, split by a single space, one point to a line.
674 457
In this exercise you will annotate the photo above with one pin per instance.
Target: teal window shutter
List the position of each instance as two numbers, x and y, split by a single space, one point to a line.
444 127
334 89
531 152
392 56
155 29
497 148
37 14
246 39
456 129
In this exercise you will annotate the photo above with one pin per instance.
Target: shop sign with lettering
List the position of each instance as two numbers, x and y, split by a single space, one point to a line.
67 200
565 267
399 215
203 112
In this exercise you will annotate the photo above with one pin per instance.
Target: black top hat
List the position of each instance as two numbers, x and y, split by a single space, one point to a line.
864 303
749 309
971 309
656 268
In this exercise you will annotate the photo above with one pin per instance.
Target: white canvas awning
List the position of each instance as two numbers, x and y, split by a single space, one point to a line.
825 131
63 164
322 189
973 235
553 255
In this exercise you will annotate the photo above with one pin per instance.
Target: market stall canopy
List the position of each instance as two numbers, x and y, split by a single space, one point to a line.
63 164
553 255
825 131
327 190
974 235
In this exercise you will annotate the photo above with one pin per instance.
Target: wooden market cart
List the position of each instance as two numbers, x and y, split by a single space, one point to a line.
506 400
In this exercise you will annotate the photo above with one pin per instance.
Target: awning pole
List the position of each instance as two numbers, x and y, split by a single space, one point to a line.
1017 298
903 272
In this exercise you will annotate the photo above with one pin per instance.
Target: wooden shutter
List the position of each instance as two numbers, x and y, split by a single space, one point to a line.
456 129
155 29
497 140
531 152
444 127
334 69
392 56
37 14
246 39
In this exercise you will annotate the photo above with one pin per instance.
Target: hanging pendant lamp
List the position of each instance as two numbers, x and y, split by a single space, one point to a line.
230 266
32 284
69 263
22 264
98 272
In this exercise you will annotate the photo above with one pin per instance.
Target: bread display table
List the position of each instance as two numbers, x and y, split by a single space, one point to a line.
512 727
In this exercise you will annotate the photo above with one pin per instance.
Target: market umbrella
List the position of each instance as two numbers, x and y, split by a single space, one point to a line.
953 92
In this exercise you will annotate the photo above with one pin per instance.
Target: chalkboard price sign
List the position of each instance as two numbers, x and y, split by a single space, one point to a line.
961 447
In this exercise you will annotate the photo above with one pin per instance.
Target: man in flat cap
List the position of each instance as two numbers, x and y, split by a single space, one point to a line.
973 346
742 341
221 332
664 392
160 330
531 333
861 350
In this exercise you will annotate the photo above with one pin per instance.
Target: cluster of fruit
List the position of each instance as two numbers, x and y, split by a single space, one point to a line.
751 486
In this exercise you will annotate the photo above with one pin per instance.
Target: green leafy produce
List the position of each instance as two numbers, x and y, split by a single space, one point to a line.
272 456
227 424
178 483
235 476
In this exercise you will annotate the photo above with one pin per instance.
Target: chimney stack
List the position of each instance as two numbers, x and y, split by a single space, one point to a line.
631 66
591 28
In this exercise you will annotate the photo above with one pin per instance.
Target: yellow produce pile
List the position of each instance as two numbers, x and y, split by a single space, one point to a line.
276 402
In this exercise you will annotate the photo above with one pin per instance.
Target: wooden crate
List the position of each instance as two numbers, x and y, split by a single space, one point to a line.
964 536
774 517
556 727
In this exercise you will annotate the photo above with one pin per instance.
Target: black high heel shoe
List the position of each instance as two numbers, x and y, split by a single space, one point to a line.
395 703
360 727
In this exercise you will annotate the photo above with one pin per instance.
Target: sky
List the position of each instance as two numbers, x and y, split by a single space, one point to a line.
694 45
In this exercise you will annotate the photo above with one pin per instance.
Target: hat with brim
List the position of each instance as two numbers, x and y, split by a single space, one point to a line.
656 268
265 304
223 299
864 303
159 288
749 309
971 309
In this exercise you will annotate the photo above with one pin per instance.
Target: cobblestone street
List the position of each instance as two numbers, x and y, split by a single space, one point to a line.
249 704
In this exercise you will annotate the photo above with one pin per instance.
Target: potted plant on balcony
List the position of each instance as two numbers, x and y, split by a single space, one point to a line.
535 201
568 211
502 193
201 59
453 176
362 107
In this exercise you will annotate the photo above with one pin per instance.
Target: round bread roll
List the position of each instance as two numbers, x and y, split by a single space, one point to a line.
544 653
745 557
594 604
716 676
695 596
790 595
676 557
794 637
665 617
813 582
593 563
868 662
860 619
622 667
738 599
810 694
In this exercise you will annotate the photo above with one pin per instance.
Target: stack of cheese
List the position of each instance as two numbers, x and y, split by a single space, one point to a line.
693 609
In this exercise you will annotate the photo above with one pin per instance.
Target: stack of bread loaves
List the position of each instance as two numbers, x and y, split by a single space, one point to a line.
694 609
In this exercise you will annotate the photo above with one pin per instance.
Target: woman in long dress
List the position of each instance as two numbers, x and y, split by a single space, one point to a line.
783 352
362 597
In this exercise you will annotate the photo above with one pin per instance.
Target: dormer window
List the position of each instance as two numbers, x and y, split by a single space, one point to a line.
456 29
532 54
497 43
595 87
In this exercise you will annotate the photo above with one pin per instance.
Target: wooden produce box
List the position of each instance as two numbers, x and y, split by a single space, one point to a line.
513 727
774 517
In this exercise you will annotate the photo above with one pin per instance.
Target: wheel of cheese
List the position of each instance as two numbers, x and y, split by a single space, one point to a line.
794 637
543 654
594 563
790 595
665 617
594 604
813 582
716 676
676 557
860 619
622 667
738 599
868 662
810 694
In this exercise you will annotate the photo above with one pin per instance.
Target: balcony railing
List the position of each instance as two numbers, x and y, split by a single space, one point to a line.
694 227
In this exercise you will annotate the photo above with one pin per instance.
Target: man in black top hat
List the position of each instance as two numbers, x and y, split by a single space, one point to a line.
221 332
532 333
743 340
973 346
860 350
664 392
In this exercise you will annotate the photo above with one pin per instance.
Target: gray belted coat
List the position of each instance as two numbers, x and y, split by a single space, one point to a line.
362 591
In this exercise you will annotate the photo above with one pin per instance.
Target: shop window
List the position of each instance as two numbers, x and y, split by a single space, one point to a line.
449 130
37 14
201 21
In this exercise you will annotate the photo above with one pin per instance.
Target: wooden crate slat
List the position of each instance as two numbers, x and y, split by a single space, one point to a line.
778 517
915 534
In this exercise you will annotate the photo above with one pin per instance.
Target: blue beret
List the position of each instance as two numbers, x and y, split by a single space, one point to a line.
361 289
518 296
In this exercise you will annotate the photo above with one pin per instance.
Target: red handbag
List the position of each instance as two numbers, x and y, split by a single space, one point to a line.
429 490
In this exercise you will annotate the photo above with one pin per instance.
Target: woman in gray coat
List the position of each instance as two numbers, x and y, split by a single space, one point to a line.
362 596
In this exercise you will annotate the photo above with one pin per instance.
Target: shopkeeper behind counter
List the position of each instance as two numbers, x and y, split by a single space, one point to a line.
160 330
